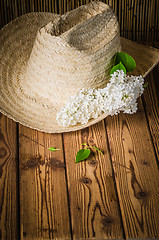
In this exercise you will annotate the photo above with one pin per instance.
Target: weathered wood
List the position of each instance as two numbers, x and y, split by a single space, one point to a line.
43 191
8 179
151 105
93 200
136 173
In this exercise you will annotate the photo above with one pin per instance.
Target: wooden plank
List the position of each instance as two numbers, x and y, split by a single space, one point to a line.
151 105
136 173
8 179
43 191
93 200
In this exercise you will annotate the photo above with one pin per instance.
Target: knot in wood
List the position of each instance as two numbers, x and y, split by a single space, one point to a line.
141 195
85 180
93 162
3 152
91 141
106 221
130 151
146 163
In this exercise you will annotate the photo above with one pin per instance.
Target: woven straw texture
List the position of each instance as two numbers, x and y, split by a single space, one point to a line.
28 94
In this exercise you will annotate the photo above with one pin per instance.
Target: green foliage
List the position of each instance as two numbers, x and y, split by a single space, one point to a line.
82 155
53 149
83 144
123 61
98 150
126 60
119 66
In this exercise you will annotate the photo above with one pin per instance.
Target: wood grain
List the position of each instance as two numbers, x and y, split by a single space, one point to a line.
43 191
92 190
93 200
8 179
151 104
136 173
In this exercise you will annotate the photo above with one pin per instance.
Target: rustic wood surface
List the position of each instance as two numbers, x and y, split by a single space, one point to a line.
94 210
110 196
136 173
43 189
9 181
45 195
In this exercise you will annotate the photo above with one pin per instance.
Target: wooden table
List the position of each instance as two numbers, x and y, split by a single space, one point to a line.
45 195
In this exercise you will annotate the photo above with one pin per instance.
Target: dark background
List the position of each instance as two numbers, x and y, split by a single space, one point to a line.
139 19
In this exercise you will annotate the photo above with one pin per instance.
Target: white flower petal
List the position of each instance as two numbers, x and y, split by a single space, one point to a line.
120 94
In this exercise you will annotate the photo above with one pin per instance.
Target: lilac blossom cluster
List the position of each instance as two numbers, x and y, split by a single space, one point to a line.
120 94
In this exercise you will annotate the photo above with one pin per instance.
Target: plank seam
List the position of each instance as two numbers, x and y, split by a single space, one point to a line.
18 185
68 199
113 175
144 106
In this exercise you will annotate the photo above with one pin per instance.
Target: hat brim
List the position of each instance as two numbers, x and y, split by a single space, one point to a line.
16 42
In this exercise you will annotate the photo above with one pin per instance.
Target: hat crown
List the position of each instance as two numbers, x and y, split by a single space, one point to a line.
78 16
73 51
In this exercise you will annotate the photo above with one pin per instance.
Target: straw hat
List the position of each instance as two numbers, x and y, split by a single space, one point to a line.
45 58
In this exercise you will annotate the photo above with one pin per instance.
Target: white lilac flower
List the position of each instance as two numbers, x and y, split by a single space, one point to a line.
120 94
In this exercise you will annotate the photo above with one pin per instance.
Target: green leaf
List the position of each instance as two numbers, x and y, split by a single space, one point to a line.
145 85
82 155
84 144
119 66
53 149
126 60
98 150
